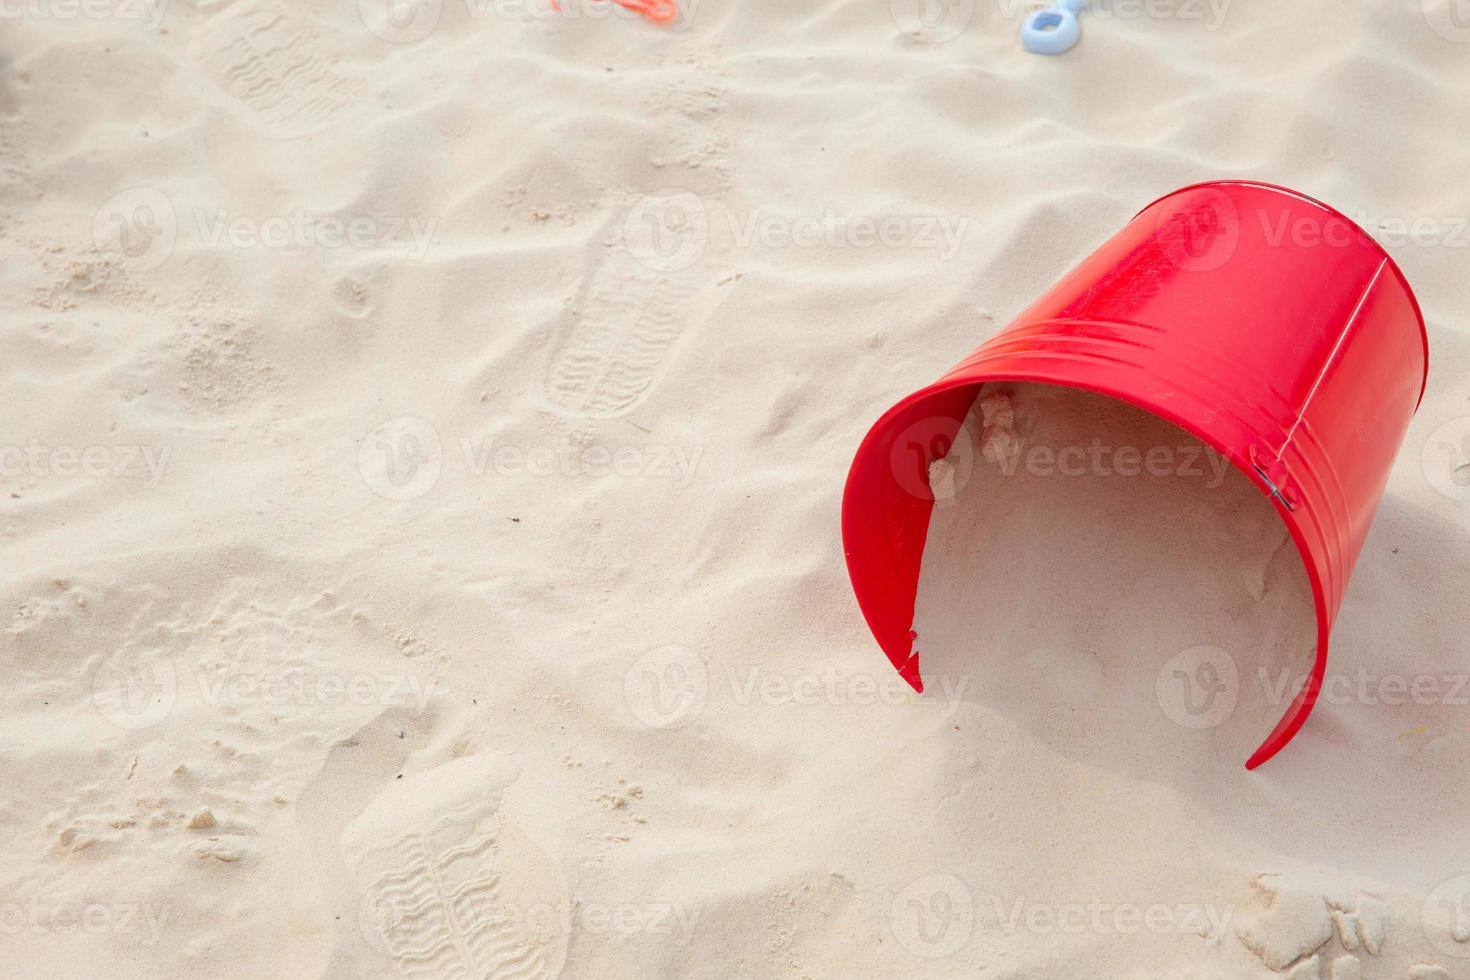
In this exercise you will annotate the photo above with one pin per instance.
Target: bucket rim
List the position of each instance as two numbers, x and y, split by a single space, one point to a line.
966 376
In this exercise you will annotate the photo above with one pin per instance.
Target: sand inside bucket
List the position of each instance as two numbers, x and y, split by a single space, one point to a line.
1104 579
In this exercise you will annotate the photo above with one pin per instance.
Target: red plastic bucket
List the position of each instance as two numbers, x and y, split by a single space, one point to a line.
1257 319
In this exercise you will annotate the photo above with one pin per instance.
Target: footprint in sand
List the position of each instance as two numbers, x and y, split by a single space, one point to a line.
644 290
448 885
266 57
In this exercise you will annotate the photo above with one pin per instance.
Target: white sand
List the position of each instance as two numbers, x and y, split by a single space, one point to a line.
473 406
1091 555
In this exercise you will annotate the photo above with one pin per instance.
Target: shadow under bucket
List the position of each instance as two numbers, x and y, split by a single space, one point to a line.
1260 321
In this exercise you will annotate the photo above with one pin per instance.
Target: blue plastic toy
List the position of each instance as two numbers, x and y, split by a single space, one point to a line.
1053 30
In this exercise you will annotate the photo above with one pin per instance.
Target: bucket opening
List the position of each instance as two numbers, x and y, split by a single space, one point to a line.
1083 550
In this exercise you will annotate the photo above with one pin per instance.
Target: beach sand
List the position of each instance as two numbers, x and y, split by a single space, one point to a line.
422 444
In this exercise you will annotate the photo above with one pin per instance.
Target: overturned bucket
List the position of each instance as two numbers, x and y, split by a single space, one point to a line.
1262 322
